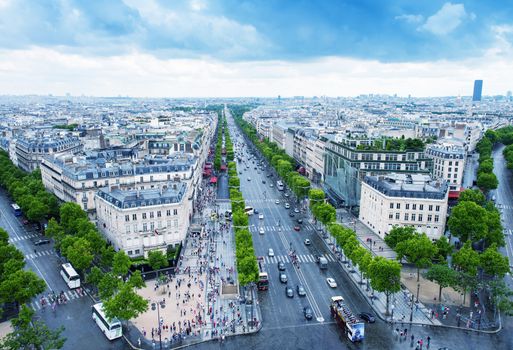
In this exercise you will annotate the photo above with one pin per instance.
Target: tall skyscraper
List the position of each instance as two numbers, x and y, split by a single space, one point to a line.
478 90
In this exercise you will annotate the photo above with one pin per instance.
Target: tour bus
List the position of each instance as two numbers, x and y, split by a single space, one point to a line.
279 186
111 328
249 210
16 208
70 276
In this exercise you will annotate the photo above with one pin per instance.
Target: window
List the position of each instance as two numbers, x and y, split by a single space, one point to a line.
127 229
390 215
144 216
414 206
145 227
430 208
127 217
175 223
130 252
135 228
456 163
421 206
159 214
137 251
391 205
151 177
151 215
406 217
437 218
450 162
398 206
175 211
397 216
455 170
430 218
152 226
168 212
420 217
141 179
437 208
407 206
413 217
134 217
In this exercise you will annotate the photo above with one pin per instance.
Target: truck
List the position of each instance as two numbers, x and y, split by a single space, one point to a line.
346 320
263 277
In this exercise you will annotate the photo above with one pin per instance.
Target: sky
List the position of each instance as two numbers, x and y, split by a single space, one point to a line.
231 48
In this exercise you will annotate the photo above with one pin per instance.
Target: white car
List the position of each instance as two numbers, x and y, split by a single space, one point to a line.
277 201
249 179
296 210
271 253
307 241
287 206
261 216
331 282
271 185
261 231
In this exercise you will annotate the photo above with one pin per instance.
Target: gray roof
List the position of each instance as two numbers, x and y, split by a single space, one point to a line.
409 186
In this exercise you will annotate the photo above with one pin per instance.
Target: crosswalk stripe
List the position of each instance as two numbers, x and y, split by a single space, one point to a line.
286 259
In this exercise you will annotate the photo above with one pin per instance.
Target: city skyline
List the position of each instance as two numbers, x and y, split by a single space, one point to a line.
203 48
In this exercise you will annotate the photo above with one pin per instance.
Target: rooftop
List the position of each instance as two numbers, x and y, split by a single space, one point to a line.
408 185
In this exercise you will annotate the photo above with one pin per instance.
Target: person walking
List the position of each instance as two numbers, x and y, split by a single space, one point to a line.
428 339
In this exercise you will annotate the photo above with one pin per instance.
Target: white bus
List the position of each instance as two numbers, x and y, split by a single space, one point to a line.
111 328
70 276
249 210
279 186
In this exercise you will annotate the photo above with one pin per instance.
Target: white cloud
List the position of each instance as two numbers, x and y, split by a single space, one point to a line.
410 18
43 71
447 19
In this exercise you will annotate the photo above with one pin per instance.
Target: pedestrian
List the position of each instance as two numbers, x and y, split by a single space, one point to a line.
428 341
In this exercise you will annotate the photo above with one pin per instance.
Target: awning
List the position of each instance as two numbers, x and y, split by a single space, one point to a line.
454 194
223 167
213 180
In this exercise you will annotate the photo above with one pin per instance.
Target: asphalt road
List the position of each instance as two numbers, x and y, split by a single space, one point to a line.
80 330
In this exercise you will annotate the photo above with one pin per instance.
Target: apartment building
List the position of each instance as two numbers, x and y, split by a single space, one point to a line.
348 160
139 221
402 200
448 163
308 150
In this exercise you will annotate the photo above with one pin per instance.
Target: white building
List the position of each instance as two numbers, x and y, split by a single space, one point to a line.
404 199
448 163
139 221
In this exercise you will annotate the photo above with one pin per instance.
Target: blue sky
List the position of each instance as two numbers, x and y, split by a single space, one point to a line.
220 40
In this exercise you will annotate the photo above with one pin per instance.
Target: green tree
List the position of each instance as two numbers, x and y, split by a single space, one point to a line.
107 256
94 276
385 276
136 280
486 166
108 286
70 214
325 213
157 259
466 259
126 304
487 181
494 263
466 221
31 334
4 237
475 196
316 196
37 211
248 268
444 248
418 250
55 231
21 286
121 263
234 181
79 254
399 234
442 275
494 234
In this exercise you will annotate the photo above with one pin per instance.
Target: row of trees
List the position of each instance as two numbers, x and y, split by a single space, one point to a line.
228 145
219 144
486 179
19 286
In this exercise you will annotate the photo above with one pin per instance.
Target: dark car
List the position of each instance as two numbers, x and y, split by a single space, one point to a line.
299 221
281 266
289 292
263 181
255 211
301 290
307 311
367 317
41 241
291 214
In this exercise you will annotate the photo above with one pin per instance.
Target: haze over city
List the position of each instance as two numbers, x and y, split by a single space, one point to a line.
254 48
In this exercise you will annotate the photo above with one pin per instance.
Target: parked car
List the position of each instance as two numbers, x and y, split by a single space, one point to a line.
307 311
331 282
289 292
367 317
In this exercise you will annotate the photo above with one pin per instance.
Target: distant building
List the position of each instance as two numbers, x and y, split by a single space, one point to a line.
139 221
478 90
404 200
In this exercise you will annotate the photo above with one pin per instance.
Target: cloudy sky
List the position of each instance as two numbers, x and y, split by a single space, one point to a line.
223 48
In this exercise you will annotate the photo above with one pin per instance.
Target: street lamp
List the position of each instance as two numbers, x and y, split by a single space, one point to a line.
157 305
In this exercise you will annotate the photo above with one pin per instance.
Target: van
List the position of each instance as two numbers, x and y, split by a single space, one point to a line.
323 262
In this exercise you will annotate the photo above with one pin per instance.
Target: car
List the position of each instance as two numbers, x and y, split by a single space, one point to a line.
291 214
261 216
263 181
307 242
270 252
255 211
287 206
271 185
283 278
249 179
268 175
331 282
307 311
297 228
261 231
286 194
301 290
41 241
255 167
299 221
367 317
289 292
277 201
281 266
296 210
240 172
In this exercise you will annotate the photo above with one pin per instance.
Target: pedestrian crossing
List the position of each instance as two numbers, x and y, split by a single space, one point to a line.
307 258
508 232
283 200
256 228
70 295
503 206
22 238
39 254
